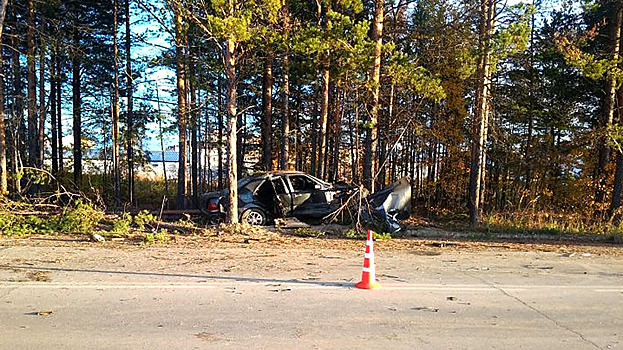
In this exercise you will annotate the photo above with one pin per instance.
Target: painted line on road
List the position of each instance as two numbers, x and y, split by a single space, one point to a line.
303 286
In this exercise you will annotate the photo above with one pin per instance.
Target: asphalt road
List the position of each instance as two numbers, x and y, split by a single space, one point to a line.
100 299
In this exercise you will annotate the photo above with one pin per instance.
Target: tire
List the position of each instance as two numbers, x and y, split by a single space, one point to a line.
254 217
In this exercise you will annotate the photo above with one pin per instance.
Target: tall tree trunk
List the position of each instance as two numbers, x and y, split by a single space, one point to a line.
284 150
77 119
4 186
324 116
116 154
219 116
32 90
130 114
314 133
284 155
181 106
230 71
267 108
609 104
240 142
481 118
617 189
42 106
18 96
53 121
369 160
194 149
59 101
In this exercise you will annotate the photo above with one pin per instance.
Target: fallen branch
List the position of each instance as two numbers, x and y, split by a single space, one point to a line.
179 228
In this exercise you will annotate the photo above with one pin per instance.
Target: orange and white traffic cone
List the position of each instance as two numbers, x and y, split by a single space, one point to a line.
368 277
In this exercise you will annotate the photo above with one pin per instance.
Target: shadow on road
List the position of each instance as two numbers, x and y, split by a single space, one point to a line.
209 277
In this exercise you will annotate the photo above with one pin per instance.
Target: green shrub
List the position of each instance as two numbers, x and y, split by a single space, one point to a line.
81 217
161 236
143 218
11 224
122 224
356 234
307 232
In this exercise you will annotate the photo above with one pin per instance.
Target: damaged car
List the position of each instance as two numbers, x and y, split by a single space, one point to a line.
279 194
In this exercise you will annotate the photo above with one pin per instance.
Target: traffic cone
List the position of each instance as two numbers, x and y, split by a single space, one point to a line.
368 277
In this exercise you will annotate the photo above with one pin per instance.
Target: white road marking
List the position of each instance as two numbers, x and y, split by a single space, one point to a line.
303 286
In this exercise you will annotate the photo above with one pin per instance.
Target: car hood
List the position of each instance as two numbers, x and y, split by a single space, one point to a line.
384 209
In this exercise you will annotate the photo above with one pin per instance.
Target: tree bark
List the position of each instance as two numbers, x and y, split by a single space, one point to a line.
284 154
116 168
324 116
481 118
130 116
42 106
369 159
230 71
267 119
4 186
18 151
32 91
609 105
194 146
181 106
77 111
53 121
219 116
59 102
617 189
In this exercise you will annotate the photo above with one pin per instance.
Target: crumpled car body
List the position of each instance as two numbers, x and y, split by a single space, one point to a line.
265 197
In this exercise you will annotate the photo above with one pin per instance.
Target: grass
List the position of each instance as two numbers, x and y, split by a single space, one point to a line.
356 234
160 236
549 223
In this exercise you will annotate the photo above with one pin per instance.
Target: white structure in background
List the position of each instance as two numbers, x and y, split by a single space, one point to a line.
95 161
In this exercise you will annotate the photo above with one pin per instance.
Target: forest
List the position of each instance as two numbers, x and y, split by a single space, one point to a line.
500 112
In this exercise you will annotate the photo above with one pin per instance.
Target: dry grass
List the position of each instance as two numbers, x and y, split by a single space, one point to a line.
544 222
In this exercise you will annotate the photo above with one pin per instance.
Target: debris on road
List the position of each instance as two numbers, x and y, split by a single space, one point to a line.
425 308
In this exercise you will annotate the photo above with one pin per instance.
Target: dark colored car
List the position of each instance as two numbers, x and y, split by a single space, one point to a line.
263 198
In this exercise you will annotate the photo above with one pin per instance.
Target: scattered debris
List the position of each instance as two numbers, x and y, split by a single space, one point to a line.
425 308
40 313
290 222
205 336
442 244
38 276
97 238
539 267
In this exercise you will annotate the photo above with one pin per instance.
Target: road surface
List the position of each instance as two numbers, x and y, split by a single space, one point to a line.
86 296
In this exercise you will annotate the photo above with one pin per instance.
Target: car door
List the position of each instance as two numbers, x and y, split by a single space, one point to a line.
282 195
305 191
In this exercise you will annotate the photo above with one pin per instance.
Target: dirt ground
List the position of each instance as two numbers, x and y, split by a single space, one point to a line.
426 241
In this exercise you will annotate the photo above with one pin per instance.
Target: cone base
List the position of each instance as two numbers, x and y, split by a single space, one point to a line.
367 285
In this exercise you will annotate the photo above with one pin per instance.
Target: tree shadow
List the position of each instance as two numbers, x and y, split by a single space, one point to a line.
258 280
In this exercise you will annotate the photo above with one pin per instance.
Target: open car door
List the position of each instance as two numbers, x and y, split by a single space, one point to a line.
283 198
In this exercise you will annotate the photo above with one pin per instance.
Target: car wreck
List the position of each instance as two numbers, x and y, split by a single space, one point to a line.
280 194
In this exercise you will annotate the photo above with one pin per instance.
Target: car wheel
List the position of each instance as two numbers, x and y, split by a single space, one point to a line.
254 217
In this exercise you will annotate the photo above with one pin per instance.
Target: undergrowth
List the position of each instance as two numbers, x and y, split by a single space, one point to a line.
357 234
548 223
160 236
